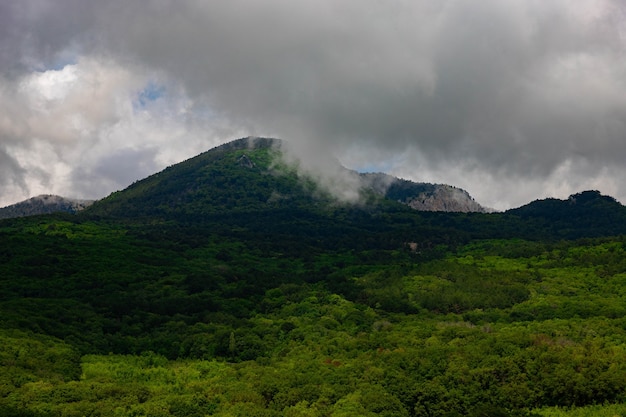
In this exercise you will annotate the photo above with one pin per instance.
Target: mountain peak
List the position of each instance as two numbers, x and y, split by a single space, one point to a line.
250 142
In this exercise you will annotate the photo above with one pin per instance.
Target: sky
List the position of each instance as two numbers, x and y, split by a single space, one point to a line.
511 100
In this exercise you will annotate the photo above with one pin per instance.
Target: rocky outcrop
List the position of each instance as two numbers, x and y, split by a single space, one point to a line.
246 162
422 196
445 198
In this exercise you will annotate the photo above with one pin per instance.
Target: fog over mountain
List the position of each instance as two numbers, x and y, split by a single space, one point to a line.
511 100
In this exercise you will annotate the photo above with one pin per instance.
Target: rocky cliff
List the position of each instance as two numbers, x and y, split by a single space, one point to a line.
422 196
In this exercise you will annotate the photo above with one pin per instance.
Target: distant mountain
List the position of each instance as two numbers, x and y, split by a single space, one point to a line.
249 174
422 196
43 204
576 206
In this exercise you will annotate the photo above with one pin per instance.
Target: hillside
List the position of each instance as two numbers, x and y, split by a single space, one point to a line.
589 212
230 285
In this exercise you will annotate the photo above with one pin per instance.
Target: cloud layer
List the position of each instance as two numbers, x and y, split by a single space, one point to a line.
512 100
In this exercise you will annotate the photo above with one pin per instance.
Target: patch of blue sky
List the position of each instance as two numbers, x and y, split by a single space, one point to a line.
150 93
60 60
380 166
63 61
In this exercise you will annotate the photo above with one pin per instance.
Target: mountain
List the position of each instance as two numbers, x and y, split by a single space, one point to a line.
44 204
241 176
249 174
246 185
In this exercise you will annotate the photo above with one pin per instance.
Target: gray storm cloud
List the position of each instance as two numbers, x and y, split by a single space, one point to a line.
511 100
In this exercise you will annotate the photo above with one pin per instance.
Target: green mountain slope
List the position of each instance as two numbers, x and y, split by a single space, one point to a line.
244 175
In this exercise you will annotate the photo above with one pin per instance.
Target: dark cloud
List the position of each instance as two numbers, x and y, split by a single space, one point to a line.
11 176
37 34
115 170
489 75
515 91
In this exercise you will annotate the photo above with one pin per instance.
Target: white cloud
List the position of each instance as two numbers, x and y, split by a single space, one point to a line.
78 132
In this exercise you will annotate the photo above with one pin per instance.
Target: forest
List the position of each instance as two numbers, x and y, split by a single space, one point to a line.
181 296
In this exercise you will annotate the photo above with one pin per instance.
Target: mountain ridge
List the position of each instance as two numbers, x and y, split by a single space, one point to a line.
252 172
197 181
44 204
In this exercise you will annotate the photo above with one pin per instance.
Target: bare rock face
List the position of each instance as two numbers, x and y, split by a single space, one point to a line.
245 161
43 204
445 198
422 196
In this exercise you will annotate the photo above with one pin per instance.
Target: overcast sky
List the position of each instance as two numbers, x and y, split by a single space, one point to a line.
512 100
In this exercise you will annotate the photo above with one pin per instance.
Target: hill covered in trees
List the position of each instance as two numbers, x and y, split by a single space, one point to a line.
232 285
